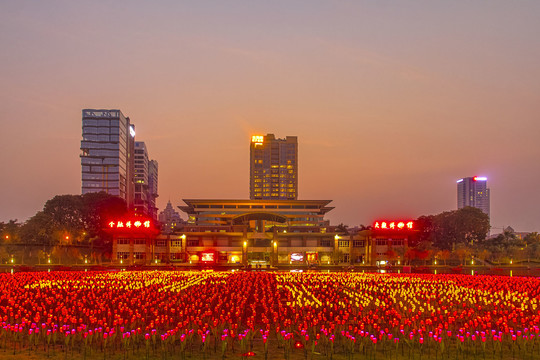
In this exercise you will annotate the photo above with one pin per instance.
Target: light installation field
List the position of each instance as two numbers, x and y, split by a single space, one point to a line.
272 315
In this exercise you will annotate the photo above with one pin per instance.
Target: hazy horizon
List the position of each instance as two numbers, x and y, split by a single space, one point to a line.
392 102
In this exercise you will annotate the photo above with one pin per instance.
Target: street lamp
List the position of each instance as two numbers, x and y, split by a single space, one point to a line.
245 259
12 259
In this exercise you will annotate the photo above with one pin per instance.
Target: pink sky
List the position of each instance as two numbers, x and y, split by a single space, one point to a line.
392 102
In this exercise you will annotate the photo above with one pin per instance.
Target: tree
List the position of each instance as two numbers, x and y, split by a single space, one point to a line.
462 253
443 255
505 246
426 229
342 229
9 231
532 245
464 226
70 219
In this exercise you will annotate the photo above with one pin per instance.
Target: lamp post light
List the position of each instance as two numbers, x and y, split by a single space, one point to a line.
244 252
275 253
12 258
184 247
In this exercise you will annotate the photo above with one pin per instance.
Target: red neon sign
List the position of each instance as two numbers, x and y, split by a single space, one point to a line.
207 257
131 224
394 225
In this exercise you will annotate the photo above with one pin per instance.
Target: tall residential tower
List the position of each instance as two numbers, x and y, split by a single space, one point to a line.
273 168
473 191
107 153
146 177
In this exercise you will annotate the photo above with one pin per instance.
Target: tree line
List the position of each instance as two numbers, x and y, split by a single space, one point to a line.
462 236
67 229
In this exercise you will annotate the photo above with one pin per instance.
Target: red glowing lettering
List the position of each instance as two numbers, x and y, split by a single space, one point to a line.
394 225
147 223
120 224
137 224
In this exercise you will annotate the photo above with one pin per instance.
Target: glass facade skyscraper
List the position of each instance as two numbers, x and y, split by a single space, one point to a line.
107 153
473 191
273 168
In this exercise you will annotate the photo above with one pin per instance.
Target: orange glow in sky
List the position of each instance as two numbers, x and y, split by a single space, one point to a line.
392 103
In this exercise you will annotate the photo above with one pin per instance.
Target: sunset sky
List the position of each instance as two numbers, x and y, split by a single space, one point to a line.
392 101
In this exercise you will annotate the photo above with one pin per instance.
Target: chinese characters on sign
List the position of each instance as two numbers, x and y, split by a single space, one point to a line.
130 224
394 225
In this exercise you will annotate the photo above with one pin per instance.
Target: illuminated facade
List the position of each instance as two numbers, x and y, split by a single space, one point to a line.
473 191
134 240
273 168
107 149
260 232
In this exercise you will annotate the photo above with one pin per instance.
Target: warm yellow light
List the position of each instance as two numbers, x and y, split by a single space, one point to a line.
257 139
275 244
183 237
245 243
337 237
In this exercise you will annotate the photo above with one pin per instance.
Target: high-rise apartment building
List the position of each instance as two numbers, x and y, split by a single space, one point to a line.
146 178
107 153
141 178
473 191
152 188
273 168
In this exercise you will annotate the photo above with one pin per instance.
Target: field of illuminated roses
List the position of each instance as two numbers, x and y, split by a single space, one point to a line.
268 315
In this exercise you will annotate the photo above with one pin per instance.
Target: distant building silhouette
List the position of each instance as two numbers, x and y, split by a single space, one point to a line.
169 218
273 168
473 191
